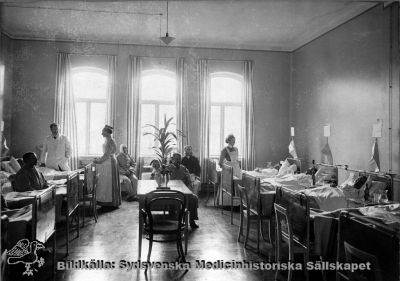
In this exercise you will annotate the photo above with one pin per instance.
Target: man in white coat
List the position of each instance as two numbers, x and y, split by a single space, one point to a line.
56 150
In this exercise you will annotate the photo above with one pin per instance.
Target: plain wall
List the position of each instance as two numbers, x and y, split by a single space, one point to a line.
33 90
342 79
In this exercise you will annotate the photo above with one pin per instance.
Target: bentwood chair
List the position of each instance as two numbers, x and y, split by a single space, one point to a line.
89 191
248 213
212 178
227 187
164 214
292 216
251 209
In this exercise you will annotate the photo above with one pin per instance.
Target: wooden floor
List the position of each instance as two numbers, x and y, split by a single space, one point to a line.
114 238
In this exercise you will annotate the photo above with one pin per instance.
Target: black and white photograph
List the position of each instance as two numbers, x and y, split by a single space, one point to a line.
158 140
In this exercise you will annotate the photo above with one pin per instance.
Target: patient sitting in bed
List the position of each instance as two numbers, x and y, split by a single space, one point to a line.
28 178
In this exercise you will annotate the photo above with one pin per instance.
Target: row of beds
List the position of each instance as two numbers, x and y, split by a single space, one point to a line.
34 215
325 217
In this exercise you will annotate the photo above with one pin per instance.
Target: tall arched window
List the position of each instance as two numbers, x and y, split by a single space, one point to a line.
226 110
90 92
157 98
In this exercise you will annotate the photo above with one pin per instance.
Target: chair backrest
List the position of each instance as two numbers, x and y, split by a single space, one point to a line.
244 199
44 215
171 202
298 209
283 225
165 193
90 179
377 239
355 255
227 178
72 192
212 174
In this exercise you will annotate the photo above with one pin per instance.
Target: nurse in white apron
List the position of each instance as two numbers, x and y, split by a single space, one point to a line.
108 189
230 156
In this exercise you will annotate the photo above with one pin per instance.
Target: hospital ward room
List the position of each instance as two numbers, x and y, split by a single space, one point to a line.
158 140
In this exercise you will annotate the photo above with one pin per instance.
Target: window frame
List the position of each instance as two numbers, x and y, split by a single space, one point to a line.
156 103
88 102
223 105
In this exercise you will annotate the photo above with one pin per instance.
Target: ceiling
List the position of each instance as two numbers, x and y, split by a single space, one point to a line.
253 25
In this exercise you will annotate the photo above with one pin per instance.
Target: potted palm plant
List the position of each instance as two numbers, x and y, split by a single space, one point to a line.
165 143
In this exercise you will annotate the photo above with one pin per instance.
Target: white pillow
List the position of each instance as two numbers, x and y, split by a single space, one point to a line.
376 187
14 164
6 166
4 175
325 174
284 169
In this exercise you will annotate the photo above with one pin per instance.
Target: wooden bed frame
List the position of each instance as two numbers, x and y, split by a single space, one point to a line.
72 204
378 240
43 219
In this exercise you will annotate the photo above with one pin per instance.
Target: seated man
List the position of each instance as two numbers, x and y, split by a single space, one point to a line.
28 178
192 164
128 178
179 172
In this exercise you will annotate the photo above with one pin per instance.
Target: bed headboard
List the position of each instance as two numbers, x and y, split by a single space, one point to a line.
344 170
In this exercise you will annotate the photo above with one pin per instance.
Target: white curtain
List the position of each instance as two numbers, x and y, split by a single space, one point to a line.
64 112
111 89
248 117
135 66
181 105
204 96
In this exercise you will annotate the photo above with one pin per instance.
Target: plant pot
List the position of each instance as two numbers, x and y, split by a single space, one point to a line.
158 179
164 180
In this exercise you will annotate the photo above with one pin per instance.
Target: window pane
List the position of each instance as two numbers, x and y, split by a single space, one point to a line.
226 89
148 116
233 124
160 86
97 122
215 131
90 84
81 126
